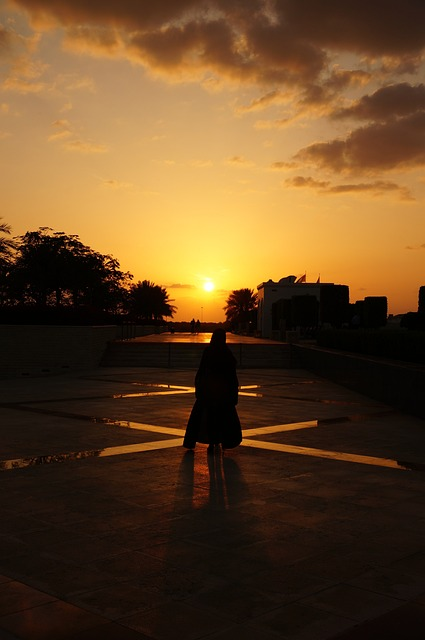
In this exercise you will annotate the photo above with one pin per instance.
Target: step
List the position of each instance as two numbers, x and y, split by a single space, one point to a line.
175 355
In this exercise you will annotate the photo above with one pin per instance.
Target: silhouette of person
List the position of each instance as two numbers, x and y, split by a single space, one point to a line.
192 325
214 419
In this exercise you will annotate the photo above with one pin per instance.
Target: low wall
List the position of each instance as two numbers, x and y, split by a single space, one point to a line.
28 350
398 384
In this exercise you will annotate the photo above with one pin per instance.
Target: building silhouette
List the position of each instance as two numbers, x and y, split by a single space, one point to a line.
294 304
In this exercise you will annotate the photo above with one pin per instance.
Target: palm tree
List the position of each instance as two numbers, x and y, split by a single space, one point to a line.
6 244
240 306
150 302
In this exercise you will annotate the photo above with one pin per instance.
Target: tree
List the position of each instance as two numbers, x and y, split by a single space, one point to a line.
55 269
421 301
149 302
240 306
7 245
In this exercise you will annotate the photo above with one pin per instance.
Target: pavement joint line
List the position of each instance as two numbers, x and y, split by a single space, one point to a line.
174 389
175 442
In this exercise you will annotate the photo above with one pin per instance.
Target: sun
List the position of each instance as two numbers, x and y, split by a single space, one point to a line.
208 285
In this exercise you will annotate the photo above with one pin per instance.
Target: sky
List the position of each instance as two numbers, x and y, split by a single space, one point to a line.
213 145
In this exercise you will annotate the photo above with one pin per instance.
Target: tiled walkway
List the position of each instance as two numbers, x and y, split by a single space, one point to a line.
313 529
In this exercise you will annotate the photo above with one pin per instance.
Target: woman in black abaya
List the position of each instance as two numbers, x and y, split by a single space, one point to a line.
214 419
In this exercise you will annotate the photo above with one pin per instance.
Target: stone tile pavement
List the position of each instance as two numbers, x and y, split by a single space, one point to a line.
314 528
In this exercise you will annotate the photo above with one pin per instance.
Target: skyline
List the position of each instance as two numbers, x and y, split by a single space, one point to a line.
221 142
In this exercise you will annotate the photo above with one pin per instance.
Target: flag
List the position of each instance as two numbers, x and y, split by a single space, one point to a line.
302 279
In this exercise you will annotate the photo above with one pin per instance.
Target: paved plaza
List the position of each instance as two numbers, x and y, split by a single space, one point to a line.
314 528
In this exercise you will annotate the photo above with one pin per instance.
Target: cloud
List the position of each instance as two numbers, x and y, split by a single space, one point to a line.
282 166
301 181
62 130
416 247
285 41
25 76
264 101
20 71
96 41
75 82
376 188
387 102
128 14
181 286
306 55
396 144
71 141
384 27
239 161
5 39
273 124
13 44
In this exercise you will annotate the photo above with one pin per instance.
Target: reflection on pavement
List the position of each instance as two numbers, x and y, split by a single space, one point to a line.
249 435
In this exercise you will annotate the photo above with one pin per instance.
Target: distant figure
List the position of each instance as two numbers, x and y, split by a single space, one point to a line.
197 326
192 325
214 419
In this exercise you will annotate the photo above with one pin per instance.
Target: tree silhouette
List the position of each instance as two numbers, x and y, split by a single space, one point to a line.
149 302
240 305
7 248
7 245
55 269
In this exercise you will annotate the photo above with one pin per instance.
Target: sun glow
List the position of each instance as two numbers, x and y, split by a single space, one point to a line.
208 285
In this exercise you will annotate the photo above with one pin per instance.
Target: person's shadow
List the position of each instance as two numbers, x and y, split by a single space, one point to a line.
226 485
212 544
214 503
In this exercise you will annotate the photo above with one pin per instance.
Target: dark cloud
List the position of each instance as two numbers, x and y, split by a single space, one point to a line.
396 144
195 46
376 188
303 181
262 41
394 100
381 27
129 14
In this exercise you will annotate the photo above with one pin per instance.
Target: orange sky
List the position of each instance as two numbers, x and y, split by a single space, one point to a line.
221 141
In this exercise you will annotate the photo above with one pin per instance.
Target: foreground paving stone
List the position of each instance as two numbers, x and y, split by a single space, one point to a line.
313 529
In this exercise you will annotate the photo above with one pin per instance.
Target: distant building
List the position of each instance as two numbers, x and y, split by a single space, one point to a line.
372 312
291 303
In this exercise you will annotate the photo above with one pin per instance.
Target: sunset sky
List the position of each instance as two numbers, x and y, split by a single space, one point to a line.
221 141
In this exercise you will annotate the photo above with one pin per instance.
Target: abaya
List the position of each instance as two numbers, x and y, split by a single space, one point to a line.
214 419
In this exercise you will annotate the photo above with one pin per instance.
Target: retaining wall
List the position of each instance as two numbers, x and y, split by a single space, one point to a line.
399 384
41 350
